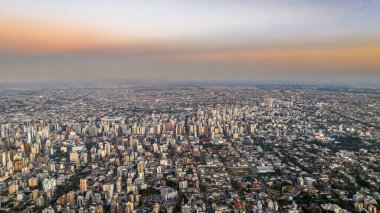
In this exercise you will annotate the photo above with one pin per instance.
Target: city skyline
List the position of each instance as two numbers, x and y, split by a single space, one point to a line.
201 106
327 42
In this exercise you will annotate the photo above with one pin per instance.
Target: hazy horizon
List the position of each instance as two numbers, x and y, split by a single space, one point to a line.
299 42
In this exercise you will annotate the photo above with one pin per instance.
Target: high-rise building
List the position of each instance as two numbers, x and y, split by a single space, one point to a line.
183 184
186 209
156 208
107 148
70 197
140 167
40 202
33 182
83 185
74 156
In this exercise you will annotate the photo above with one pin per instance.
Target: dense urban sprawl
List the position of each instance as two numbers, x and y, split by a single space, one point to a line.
190 150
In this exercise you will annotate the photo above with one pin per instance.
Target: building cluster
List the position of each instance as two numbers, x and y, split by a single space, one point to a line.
190 150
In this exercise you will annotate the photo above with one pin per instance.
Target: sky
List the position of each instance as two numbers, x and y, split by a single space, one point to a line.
320 41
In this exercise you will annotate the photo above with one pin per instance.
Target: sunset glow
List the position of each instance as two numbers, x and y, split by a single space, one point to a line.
309 37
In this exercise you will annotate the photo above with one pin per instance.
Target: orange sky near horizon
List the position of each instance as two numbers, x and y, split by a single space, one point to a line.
359 56
33 37
27 36
252 38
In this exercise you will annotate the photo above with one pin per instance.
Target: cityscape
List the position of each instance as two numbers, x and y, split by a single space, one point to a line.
190 106
191 149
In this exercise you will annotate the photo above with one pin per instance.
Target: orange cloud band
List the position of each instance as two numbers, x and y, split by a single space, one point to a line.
41 37
355 56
